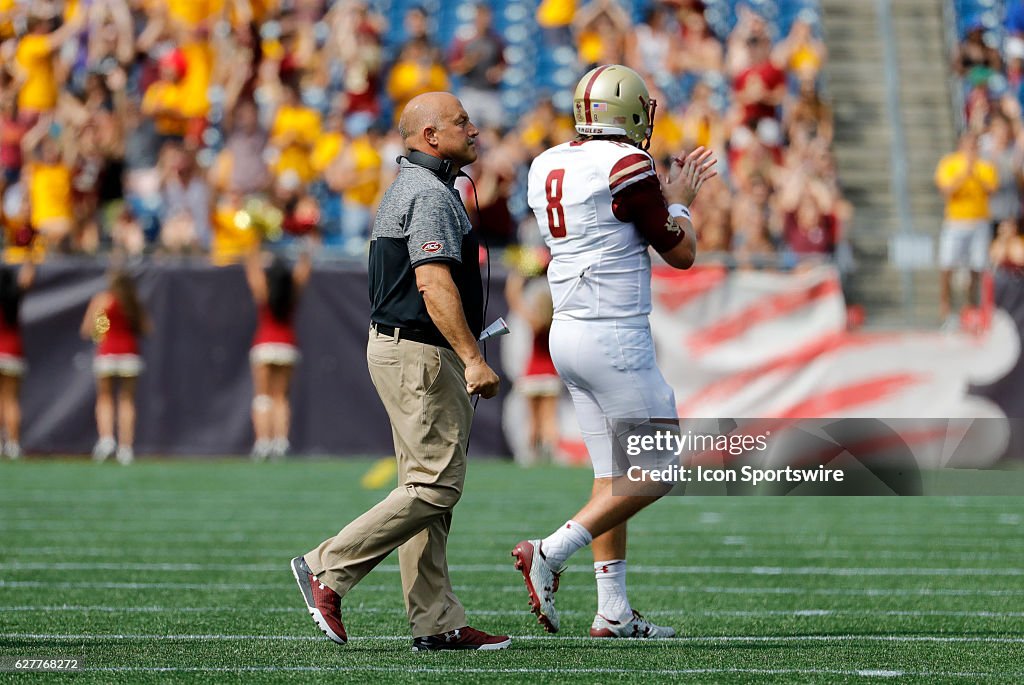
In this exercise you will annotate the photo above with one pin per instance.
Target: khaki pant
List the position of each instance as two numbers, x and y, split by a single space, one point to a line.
423 389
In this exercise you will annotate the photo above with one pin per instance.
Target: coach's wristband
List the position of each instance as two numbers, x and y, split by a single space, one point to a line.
677 210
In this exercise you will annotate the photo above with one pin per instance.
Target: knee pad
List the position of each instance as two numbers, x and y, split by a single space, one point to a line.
262 403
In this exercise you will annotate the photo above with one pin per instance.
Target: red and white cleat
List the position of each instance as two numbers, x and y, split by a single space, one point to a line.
323 603
637 626
541 582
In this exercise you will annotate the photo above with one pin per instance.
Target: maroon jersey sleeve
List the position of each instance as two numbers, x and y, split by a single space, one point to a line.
637 199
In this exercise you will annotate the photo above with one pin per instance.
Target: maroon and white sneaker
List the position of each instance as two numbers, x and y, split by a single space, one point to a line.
637 626
541 582
323 603
461 638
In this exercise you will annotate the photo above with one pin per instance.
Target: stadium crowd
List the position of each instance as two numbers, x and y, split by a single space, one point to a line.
983 179
208 126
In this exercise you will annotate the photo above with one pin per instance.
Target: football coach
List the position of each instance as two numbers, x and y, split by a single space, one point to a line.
427 313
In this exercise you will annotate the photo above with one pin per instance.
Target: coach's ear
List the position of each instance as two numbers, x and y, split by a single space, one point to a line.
430 135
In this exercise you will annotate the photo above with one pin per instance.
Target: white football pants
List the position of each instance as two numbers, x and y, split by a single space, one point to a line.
608 366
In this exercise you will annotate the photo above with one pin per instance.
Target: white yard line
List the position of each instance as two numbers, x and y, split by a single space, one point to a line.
862 672
1015 554
491 568
518 588
864 529
213 587
81 514
245 540
219 637
297 609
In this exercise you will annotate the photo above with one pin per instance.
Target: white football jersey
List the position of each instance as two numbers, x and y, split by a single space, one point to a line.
600 267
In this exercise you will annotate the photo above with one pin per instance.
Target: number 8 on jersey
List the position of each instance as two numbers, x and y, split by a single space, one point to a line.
556 213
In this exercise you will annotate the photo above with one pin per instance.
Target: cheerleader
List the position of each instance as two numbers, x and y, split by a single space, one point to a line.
539 383
12 359
116 320
275 351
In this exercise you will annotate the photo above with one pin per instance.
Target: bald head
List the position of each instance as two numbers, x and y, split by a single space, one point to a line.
425 111
436 124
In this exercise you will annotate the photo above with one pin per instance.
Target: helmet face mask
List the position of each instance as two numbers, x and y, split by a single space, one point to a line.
612 100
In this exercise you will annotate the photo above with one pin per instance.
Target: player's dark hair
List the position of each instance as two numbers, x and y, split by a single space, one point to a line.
280 290
10 297
122 287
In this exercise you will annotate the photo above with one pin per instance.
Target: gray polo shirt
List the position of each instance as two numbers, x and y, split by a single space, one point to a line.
421 219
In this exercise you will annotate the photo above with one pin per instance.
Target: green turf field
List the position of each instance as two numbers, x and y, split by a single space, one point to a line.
179 572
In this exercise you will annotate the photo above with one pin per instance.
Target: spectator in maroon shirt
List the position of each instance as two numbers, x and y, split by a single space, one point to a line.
811 213
760 88
808 231
495 178
355 44
11 132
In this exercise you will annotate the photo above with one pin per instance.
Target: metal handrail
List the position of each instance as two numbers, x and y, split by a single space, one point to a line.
899 172
898 150
956 91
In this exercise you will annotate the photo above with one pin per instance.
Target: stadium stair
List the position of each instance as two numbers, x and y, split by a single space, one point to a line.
927 104
864 137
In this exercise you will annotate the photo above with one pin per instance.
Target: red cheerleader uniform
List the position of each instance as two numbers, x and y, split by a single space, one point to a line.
540 378
118 351
12 357
275 341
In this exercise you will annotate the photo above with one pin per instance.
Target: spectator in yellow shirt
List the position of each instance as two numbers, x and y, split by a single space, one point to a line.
260 10
555 18
20 239
801 53
601 28
355 174
417 71
48 177
194 14
234 235
327 148
966 181
7 9
671 133
33 59
329 143
195 83
164 101
544 127
293 134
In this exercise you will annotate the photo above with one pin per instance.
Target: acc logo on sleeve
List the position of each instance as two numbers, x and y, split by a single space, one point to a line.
432 246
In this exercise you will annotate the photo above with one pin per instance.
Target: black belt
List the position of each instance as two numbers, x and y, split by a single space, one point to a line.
425 337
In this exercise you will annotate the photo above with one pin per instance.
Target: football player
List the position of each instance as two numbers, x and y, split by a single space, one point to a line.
600 205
